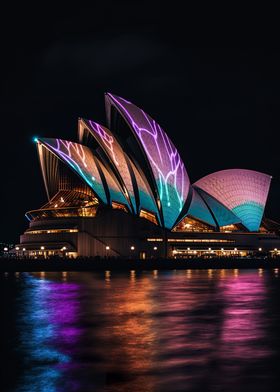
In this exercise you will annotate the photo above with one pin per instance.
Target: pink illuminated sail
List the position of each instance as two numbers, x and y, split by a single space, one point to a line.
242 191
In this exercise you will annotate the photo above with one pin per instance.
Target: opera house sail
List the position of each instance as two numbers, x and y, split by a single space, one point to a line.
123 190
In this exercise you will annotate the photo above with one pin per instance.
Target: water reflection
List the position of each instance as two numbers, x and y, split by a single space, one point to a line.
155 331
243 344
49 329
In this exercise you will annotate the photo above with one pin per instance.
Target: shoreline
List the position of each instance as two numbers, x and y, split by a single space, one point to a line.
57 265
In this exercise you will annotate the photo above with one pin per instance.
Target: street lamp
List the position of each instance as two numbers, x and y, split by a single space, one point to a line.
42 247
155 247
260 249
5 249
107 249
63 249
17 248
132 248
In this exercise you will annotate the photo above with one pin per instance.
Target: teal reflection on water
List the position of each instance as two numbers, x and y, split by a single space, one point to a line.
48 312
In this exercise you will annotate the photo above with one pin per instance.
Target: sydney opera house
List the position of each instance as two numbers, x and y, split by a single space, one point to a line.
124 191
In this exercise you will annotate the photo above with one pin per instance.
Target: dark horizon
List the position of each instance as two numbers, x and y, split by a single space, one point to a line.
218 105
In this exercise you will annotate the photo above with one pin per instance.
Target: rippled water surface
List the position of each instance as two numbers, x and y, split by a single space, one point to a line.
150 331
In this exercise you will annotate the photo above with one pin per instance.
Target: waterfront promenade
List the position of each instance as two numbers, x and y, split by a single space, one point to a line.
99 264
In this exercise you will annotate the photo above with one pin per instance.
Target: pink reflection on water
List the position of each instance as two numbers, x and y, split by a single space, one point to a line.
243 329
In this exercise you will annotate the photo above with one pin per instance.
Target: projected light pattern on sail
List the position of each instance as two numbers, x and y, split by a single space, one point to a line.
81 160
117 156
167 166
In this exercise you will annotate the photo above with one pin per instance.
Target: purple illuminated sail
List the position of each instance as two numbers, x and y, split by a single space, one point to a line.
116 155
80 159
168 169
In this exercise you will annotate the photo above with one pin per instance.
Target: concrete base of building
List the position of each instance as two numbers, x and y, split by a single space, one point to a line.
115 233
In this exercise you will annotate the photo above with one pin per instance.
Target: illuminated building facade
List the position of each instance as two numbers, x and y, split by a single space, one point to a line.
124 191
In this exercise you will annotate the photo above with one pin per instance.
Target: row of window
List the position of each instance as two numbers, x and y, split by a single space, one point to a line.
51 231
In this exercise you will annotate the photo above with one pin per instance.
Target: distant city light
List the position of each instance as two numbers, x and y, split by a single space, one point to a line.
17 248
23 249
260 249
5 249
107 247
42 247
155 247
132 247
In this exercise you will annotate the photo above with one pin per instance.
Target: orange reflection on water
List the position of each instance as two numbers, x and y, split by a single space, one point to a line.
130 335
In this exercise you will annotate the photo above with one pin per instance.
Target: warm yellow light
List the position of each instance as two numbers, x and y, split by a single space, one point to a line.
222 249
64 248
275 249
17 248
209 248
42 247
107 247
235 249
260 249
188 249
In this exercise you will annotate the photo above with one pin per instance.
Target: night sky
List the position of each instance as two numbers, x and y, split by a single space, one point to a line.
220 105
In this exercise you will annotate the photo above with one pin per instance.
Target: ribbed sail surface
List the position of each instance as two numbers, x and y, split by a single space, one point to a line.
244 192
